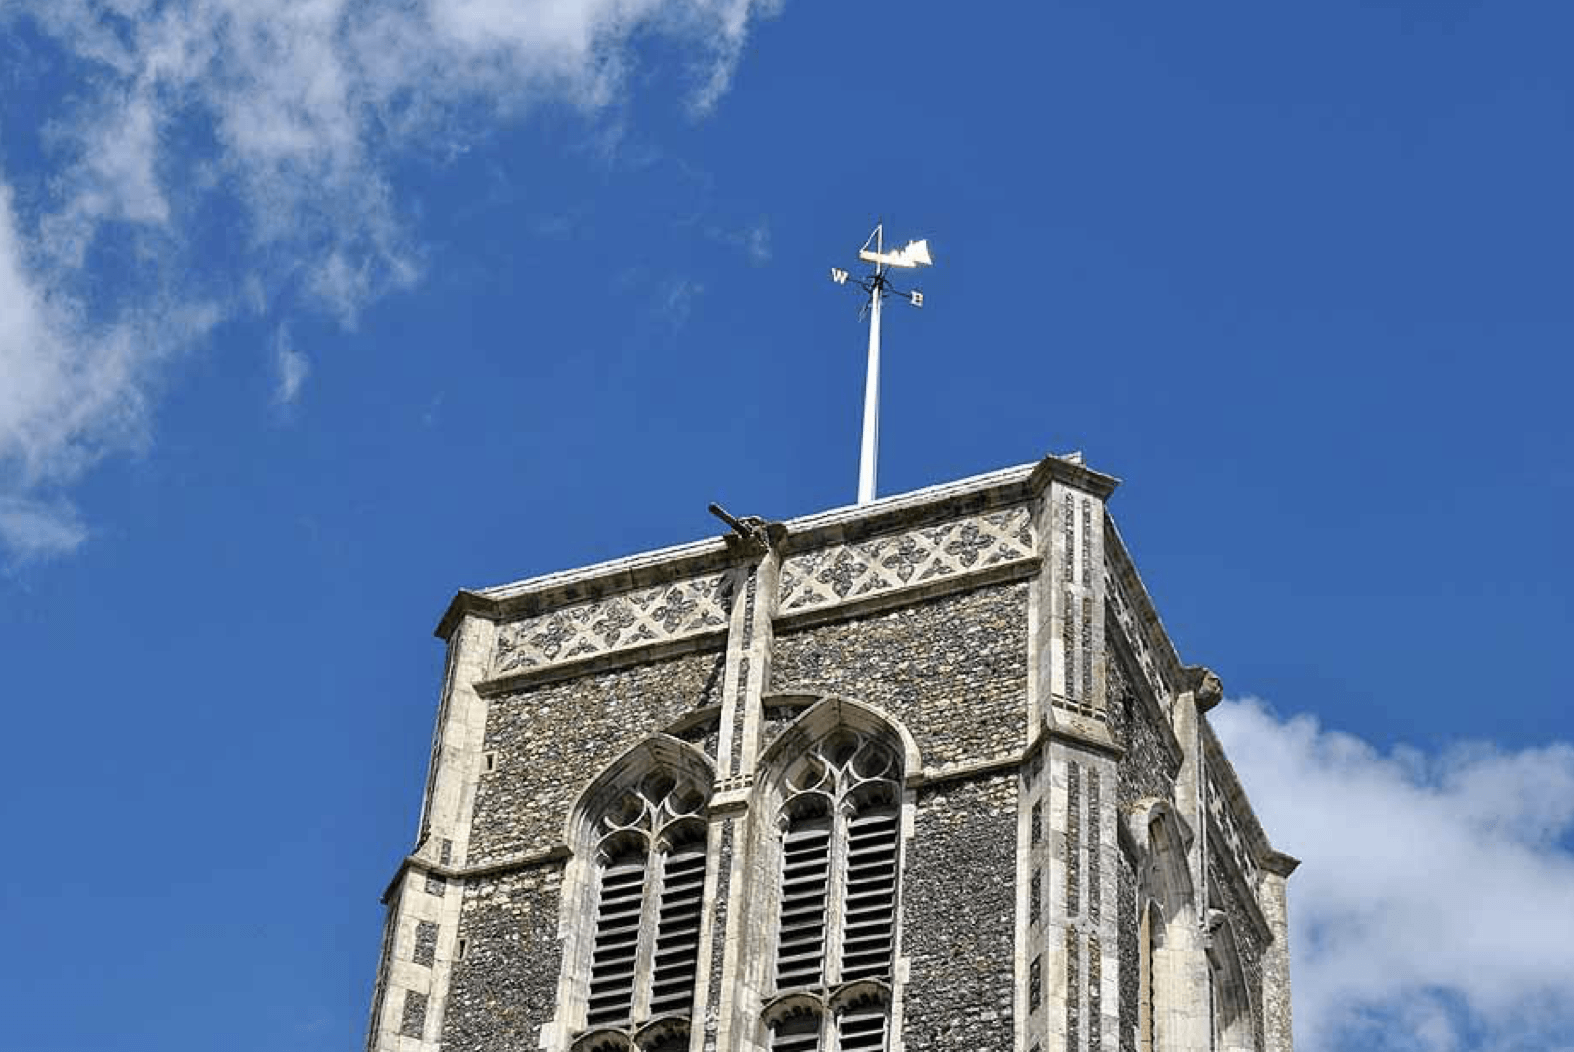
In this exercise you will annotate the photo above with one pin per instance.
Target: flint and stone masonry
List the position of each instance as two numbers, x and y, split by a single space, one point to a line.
1078 868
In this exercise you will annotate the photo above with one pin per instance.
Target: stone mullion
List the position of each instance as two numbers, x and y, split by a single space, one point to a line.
836 895
645 947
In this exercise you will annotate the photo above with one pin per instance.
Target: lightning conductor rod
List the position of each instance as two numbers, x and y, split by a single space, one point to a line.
915 254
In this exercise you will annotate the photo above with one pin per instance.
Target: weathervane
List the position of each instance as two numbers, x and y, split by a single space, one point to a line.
915 254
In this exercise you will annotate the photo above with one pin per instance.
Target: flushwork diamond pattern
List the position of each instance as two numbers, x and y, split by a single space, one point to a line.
844 572
648 615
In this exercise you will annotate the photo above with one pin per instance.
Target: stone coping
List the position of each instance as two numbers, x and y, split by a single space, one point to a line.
978 493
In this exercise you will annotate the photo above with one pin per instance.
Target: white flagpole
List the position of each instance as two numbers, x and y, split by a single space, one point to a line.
868 461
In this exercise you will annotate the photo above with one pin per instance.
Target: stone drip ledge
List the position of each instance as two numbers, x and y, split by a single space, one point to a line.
417 864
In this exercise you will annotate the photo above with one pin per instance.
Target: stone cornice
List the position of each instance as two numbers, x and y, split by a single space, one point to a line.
985 492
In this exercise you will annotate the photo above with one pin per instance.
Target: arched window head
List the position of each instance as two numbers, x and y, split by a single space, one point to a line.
641 829
854 1019
1233 1029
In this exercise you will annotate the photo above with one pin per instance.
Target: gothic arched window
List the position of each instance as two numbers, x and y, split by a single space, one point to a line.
1156 840
640 833
1233 1029
840 827
837 797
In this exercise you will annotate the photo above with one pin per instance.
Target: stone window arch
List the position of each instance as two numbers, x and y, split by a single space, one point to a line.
633 903
1158 840
1232 1022
830 823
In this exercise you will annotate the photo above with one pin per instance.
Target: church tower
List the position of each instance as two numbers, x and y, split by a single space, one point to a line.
919 775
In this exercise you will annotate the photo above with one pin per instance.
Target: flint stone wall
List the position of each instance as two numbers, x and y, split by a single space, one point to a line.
504 989
953 670
959 917
1148 767
549 741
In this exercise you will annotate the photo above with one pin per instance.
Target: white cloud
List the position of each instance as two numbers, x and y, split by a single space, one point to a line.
292 367
32 530
1435 906
295 111
73 390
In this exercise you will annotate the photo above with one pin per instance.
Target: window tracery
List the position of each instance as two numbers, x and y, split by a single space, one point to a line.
641 833
839 837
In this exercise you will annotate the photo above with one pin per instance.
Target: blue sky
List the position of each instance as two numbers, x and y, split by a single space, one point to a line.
312 312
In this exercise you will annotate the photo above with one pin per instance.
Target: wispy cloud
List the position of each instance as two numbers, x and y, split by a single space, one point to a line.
289 116
1435 907
677 301
34 529
753 239
292 367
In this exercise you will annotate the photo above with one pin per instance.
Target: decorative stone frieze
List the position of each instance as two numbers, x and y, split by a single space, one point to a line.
840 573
647 615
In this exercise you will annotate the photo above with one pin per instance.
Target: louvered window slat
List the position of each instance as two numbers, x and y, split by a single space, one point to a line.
617 938
678 930
805 872
863 1030
871 897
